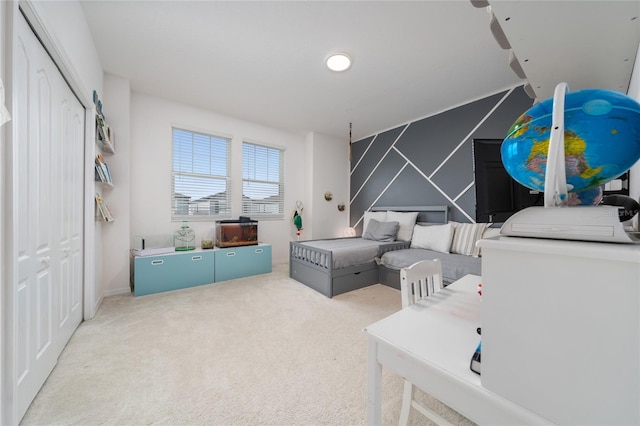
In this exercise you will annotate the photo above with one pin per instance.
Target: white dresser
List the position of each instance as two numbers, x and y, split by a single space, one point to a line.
561 328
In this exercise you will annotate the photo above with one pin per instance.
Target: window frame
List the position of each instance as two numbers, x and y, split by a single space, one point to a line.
252 209
226 212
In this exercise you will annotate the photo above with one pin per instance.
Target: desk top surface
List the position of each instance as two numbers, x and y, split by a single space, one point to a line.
439 330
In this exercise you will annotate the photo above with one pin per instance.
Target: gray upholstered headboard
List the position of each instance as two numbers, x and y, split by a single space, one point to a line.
426 214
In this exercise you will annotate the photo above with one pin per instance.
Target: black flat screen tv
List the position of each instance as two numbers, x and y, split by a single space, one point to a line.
498 196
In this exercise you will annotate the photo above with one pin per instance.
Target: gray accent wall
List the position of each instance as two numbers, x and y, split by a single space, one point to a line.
429 162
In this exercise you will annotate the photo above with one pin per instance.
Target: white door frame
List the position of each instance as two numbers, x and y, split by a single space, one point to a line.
68 70
91 298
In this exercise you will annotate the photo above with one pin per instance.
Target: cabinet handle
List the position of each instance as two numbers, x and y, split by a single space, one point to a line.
259 250
157 262
196 258
231 253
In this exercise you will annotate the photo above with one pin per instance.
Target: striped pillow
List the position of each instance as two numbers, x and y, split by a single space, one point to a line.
465 236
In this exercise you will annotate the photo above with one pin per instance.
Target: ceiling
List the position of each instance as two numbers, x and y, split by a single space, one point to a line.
263 61
588 44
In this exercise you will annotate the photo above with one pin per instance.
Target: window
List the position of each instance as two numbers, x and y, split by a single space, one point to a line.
262 181
201 187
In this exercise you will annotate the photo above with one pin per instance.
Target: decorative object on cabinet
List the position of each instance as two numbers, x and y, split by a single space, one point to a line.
234 233
149 245
206 244
184 239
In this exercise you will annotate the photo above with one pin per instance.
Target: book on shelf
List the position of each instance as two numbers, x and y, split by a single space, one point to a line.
104 210
102 169
104 135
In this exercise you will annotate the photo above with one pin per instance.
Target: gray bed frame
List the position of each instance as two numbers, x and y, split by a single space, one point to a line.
313 266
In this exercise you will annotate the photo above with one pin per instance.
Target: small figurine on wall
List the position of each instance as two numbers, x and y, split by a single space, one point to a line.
297 218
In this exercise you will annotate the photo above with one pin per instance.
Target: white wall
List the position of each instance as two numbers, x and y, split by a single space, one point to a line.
330 173
73 47
151 154
634 92
115 272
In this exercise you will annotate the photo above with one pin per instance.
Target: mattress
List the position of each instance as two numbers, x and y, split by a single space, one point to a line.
346 252
454 266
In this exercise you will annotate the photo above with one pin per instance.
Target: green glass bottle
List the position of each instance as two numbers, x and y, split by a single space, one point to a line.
184 238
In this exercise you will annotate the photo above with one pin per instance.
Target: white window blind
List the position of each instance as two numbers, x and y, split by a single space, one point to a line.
201 186
262 181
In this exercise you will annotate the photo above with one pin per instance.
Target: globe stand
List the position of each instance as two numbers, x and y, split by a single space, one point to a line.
556 220
555 178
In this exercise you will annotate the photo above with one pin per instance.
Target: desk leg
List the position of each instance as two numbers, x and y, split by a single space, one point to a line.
374 385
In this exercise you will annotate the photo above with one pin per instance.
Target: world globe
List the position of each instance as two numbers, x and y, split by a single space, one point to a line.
601 142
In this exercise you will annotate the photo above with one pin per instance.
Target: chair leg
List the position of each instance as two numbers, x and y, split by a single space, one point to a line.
407 397
408 403
431 415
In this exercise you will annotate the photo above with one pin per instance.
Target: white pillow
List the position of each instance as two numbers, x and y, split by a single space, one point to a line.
407 221
465 236
432 237
379 216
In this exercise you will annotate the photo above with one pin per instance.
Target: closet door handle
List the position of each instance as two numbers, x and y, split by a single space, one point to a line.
196 258
157 262
231 253
259 250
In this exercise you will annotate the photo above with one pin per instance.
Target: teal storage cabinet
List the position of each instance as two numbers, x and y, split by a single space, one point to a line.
238 262
154 274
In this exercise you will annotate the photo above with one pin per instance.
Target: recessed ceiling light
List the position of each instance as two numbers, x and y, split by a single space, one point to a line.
338 62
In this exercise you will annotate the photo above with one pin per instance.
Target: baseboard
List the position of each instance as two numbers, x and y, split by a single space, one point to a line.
118 291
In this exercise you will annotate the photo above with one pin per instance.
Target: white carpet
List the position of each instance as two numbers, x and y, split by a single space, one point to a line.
264 350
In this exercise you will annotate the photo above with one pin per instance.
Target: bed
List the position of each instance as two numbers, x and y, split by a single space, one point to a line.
454 266
338 265
459 256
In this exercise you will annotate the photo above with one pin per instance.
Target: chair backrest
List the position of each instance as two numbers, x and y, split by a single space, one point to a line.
420 280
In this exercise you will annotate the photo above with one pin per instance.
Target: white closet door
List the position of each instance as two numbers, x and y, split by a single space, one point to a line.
70 226
47 178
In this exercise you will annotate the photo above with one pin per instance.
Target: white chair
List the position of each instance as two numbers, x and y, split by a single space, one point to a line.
419 281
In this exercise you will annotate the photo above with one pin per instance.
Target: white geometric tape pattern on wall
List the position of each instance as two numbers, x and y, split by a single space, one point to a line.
376 168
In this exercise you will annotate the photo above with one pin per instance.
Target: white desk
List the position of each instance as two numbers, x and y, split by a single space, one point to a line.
570 349
430 343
